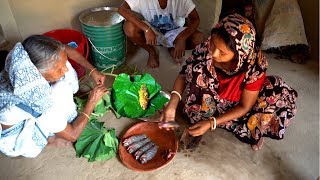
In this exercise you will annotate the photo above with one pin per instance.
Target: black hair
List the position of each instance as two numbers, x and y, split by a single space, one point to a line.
225 36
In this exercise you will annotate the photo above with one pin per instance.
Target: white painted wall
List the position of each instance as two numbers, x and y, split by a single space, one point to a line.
20 18
8 24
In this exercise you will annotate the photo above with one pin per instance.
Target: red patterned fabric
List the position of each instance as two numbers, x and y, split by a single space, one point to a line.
230 87
210 95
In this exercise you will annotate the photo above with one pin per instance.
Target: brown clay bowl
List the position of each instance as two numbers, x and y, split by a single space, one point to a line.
164 139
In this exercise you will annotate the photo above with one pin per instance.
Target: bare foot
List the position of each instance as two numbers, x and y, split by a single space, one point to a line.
177 60
58 142
258 146
153 61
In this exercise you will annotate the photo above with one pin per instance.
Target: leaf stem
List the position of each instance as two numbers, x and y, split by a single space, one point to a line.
110 74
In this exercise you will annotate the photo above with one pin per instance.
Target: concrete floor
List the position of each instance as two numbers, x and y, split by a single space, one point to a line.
222 156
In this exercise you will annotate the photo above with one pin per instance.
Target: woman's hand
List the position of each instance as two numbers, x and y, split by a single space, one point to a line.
151 37
199 128
168 115
98 77
73 131
97 93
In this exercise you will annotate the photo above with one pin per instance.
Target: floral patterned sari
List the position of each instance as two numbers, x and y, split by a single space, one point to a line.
275 106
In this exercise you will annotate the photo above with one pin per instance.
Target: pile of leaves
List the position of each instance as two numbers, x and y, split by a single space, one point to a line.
96 143
125 95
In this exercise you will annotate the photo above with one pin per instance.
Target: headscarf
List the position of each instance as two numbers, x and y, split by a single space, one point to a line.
249 56
201 77
21 82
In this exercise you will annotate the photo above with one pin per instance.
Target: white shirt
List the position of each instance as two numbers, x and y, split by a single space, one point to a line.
163 20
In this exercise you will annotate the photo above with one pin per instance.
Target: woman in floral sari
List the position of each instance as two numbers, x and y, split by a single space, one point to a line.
227 87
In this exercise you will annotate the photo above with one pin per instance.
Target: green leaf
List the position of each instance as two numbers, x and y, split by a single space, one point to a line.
100 108
80 103
158 101
92 142
125 95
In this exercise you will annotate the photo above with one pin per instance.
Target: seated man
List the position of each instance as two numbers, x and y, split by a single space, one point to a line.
162 25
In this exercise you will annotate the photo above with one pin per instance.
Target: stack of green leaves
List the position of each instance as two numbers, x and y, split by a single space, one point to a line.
125 95
96 143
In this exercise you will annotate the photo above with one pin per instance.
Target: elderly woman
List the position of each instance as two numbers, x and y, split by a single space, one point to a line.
36 96
227 87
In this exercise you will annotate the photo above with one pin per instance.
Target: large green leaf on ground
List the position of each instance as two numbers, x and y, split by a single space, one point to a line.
97 143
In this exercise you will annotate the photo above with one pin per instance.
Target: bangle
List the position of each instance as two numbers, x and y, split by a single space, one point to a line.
214 126
214 123
147 29
85 115
177 93
92 71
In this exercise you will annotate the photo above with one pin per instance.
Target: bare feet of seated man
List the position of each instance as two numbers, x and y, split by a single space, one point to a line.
153 60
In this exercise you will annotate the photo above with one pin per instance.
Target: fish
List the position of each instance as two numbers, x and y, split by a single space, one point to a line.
169 124
149 154
143 96
135 146
143 149
128 141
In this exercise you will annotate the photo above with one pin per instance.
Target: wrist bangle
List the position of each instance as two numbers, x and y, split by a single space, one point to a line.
92 71
214 123
147 29
86 115
177 93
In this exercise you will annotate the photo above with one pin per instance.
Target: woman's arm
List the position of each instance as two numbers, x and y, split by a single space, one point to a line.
248 99
74 130
77 57
170 110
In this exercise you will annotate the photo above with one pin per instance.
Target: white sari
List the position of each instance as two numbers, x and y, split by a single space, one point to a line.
33 107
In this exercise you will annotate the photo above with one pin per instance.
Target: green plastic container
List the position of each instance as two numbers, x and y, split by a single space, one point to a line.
104 29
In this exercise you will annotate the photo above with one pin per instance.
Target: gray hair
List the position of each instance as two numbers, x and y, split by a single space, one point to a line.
43 51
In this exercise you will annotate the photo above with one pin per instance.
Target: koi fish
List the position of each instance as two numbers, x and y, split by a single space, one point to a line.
149 154
135 146
143 149
133 139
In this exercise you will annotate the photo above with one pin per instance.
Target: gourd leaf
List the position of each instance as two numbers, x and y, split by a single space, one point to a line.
96 143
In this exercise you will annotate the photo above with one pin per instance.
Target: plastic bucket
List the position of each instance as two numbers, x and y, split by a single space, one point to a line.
66 36
104 29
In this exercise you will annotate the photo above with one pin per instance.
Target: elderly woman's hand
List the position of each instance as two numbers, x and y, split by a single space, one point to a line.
98 77
97 93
